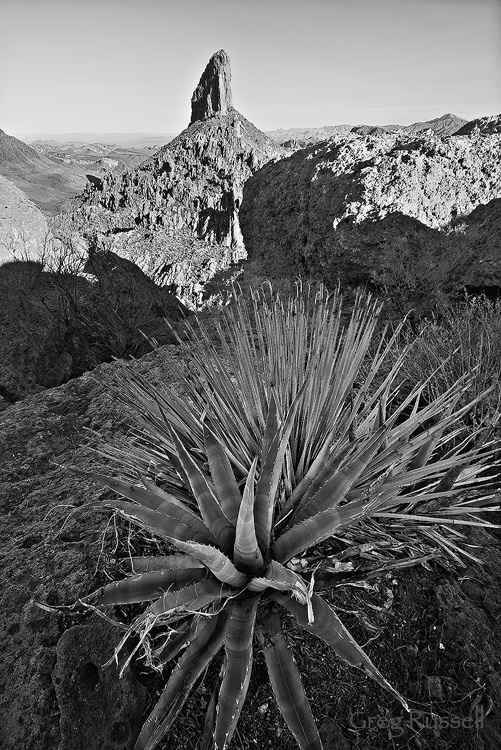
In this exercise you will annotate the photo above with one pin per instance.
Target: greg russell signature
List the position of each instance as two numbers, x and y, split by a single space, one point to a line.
418 720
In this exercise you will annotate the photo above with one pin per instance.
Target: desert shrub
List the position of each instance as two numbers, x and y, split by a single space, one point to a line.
103 318
281 460
464 340
419 278
93 318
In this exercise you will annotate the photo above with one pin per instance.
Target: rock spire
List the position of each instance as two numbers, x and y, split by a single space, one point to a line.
212 96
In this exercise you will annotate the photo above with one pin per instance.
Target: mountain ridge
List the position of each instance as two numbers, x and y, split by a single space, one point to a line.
46 182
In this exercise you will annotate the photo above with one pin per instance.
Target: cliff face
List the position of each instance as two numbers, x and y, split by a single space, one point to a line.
332 210
193 186
213 95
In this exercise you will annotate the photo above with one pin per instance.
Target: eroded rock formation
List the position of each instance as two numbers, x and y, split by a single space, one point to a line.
192 187
334 209
213 95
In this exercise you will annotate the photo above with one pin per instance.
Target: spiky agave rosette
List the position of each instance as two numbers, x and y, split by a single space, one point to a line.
284 435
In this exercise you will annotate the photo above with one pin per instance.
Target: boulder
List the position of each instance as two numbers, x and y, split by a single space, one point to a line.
98 707
54 325
33 348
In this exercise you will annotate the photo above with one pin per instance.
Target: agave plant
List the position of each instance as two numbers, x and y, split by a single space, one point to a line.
282 445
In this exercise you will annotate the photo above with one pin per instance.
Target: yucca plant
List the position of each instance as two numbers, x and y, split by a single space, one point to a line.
281 451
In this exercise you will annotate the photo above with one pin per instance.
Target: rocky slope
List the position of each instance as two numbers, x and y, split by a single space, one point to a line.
484 125
193 186
336 209
47 183
24 232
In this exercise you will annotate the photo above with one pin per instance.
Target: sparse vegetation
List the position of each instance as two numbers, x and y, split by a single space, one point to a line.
285 459
68 307
464 340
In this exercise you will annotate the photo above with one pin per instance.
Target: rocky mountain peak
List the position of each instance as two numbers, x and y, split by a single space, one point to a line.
212 96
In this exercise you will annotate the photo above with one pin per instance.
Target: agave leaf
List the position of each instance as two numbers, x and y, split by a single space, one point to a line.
143 587
212 513
215 560
336 487
192 598
271 469
316 474
155 499
317 528
286 682
246 551
207 641
210 715
280 578
222 474
159 562
271 426
328 627
166 498
177 524
442 521
238 666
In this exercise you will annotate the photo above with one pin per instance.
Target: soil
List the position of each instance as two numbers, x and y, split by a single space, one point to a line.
434 633
433 637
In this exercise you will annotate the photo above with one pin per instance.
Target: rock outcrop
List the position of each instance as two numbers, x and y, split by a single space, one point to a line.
332 210
24 232
191 188
213 94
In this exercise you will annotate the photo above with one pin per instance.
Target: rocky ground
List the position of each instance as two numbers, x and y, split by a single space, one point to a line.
433 632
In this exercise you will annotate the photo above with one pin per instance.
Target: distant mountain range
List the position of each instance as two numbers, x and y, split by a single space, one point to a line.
445 125
137 140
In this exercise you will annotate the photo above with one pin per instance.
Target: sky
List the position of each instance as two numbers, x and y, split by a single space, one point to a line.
106 66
